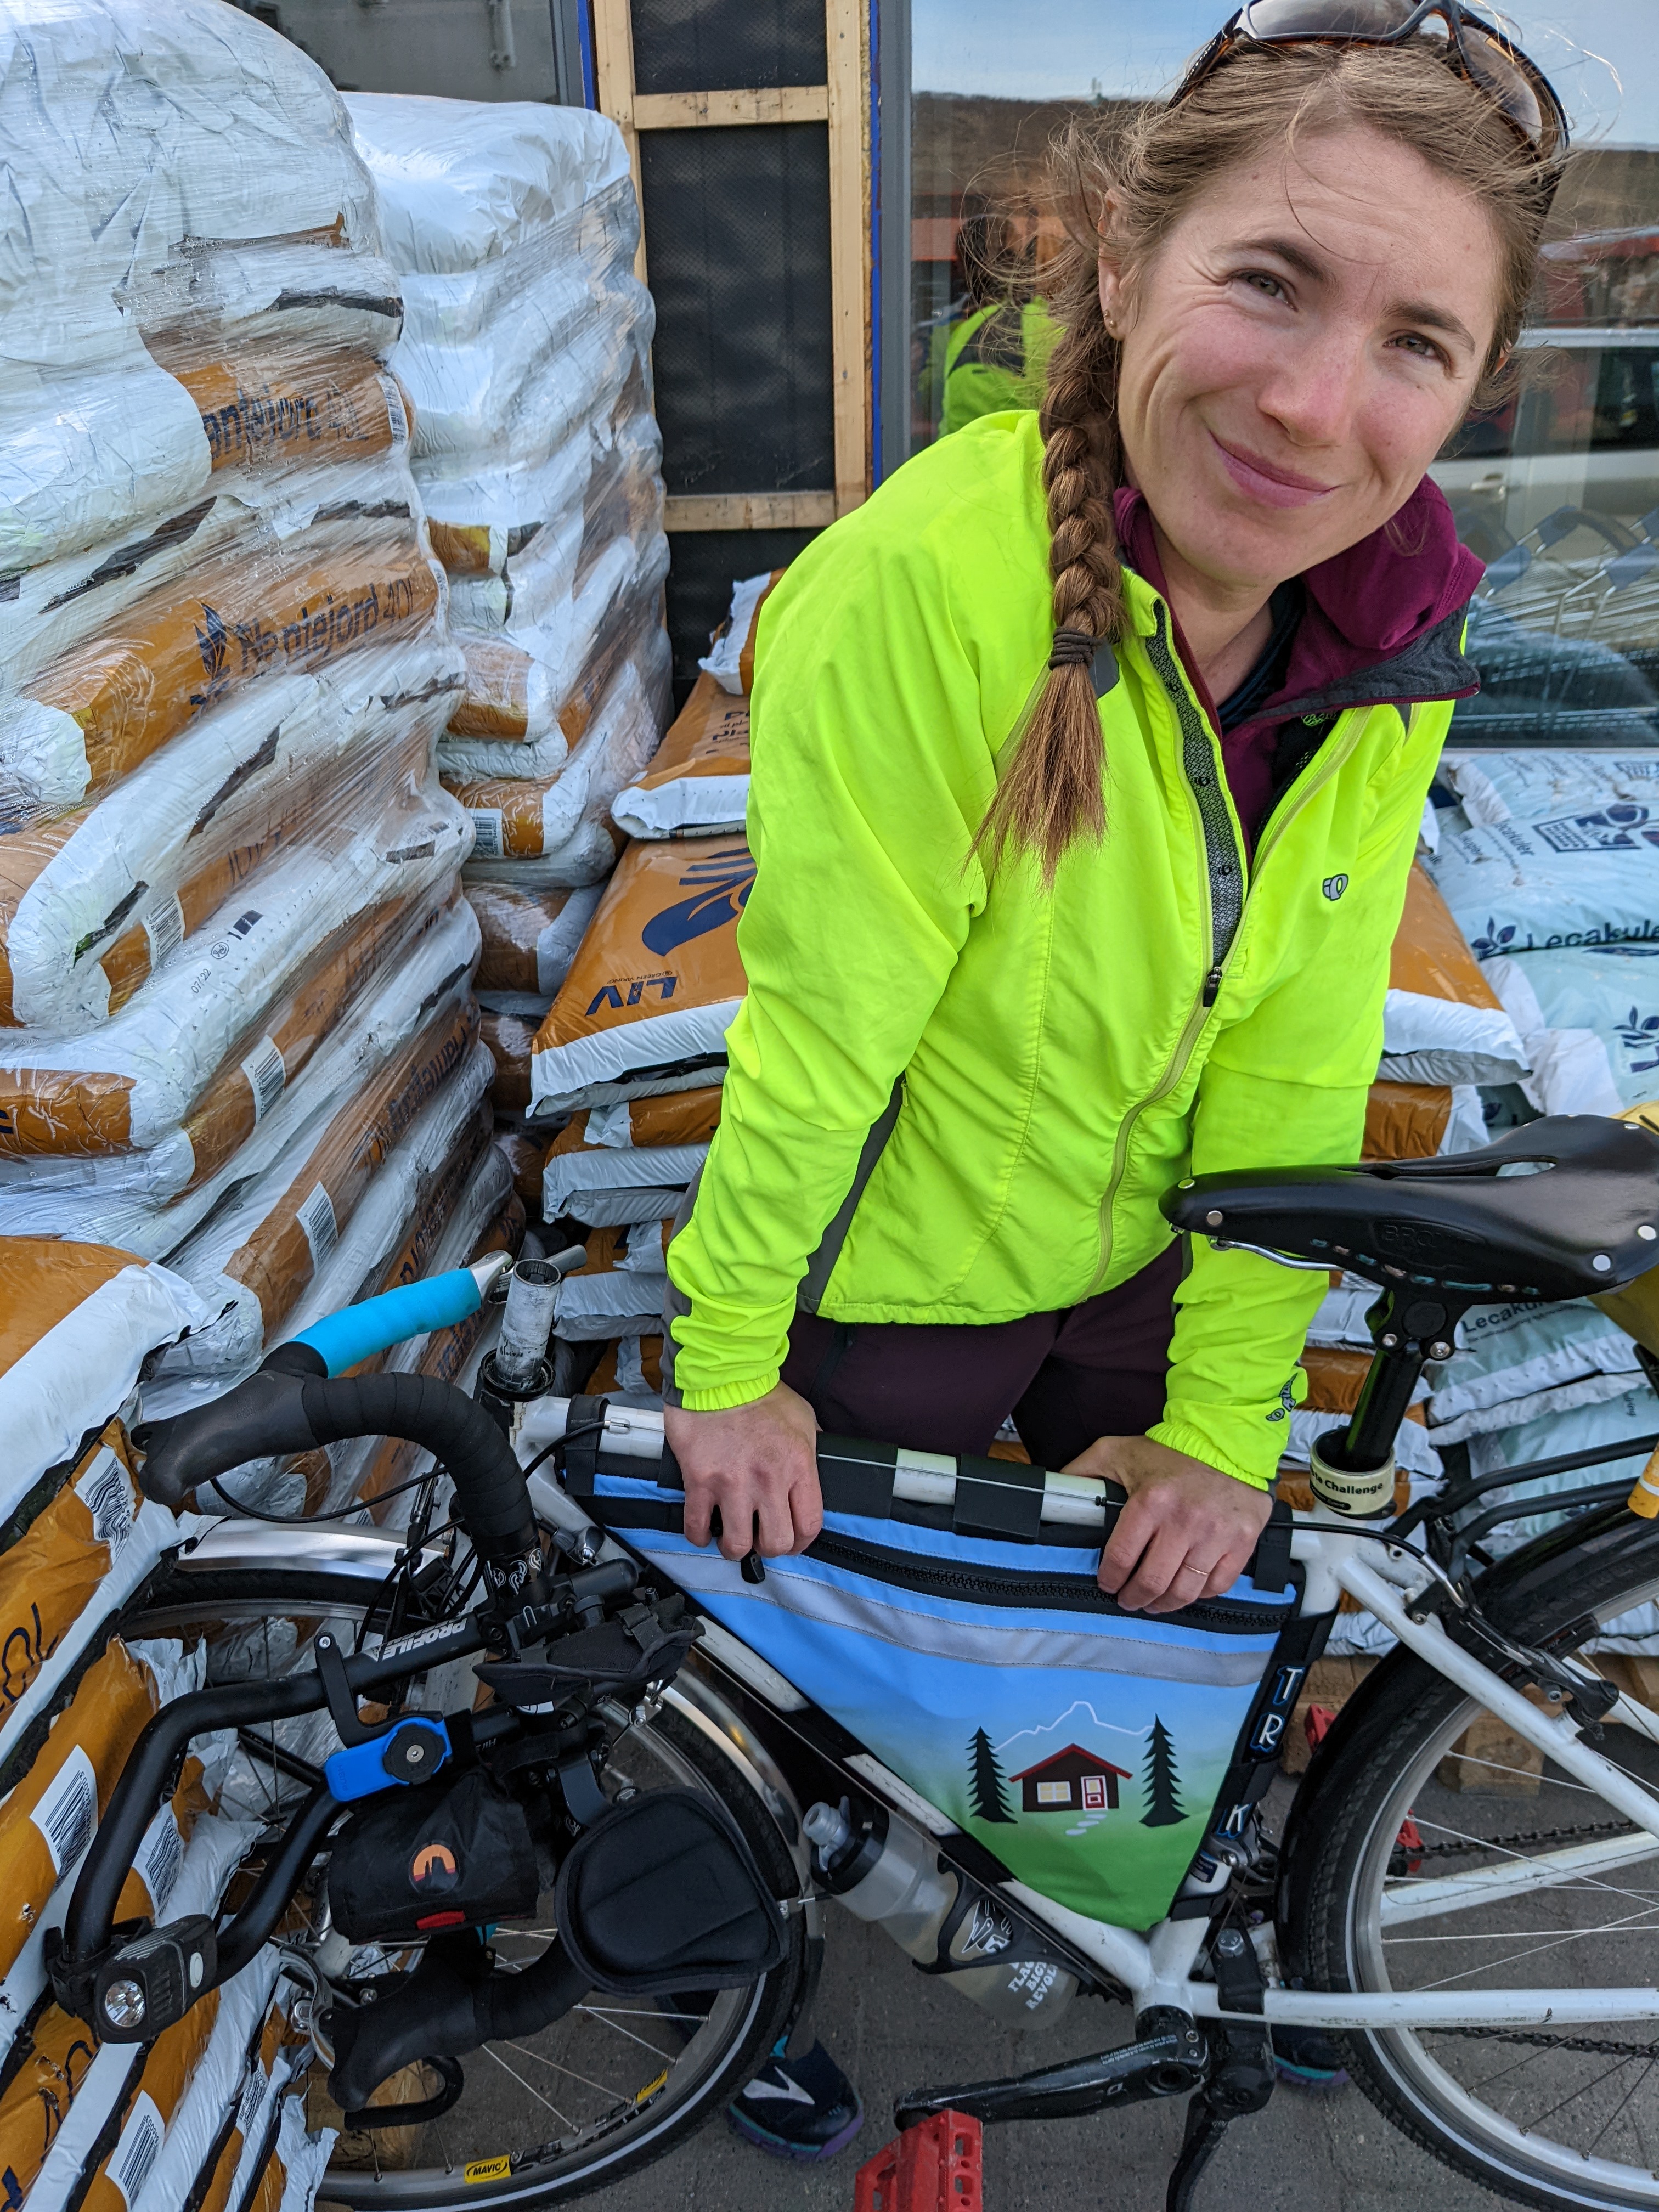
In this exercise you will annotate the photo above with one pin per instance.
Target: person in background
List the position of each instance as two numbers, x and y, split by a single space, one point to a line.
996 355
1088 762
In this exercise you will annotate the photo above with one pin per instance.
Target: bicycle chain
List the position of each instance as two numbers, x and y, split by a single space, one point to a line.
1554 2042
1585 1831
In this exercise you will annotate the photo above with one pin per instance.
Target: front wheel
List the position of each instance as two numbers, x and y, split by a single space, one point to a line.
607 2089
1403 1872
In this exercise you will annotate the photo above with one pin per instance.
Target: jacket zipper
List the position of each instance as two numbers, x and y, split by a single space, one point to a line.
1069 1593
1226 894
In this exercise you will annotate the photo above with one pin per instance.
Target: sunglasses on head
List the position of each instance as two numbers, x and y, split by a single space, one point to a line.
1477 50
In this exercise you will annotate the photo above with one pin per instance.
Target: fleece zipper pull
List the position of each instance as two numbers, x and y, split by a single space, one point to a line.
1211 986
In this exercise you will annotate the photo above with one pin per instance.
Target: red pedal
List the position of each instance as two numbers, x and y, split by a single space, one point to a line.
937 2166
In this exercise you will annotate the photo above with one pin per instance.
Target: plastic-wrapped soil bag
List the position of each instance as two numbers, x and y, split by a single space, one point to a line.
1419 1121
649 997
630 1162
223 2186
281 1233
530 938
698 780
129 132
91 903
1515 1363
1590 1018
82 1526
294 2173
1442 1022
129 1083
620 1291
77 1321
90 717
526 815
731 658
131 2090
48 1818
1574 880
1538 784
393 977
223 2078
511 1040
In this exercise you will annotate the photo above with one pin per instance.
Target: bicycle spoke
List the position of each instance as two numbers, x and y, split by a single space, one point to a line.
490 2051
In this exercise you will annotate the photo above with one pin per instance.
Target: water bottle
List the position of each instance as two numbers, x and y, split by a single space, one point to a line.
889 1872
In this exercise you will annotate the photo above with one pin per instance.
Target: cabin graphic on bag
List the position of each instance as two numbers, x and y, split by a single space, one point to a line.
1071 1781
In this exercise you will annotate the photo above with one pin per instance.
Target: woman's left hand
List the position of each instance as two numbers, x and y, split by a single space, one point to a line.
1187 1532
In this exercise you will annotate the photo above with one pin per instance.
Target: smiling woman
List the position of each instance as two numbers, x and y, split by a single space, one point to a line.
1208 600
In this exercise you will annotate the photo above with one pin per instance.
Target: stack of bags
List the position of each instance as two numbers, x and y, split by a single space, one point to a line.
204 2112
633 1048
237 1029
526 353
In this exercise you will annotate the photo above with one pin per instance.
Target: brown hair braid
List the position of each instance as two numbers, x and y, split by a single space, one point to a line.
1155 169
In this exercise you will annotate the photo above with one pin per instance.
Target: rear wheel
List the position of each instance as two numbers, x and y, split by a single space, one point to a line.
1434 1850
613 2086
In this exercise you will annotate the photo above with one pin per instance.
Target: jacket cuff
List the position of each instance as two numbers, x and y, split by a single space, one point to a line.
721 1397
1199 1445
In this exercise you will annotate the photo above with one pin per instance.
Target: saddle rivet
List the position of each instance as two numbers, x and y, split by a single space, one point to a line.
1389 1342
1440 1352
1213 1219
1601 1262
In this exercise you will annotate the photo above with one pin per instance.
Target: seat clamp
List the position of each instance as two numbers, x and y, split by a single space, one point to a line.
1368 1495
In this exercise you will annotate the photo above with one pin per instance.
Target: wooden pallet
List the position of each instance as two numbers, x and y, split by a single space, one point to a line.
1488 1759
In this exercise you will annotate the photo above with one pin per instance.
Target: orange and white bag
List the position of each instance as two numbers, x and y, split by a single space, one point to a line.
731 658
698 779
656 982
1443 1022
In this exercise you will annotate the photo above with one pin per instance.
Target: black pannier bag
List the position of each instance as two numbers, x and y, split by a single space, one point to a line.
447 1854
662 1894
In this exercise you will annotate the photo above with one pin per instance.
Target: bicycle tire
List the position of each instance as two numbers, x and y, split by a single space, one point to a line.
748 2022
1407 1721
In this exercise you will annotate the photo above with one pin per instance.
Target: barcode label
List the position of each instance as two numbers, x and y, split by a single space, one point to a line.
161 1853
252 2103
486 833
315 1214
265 1076
105 1491
138 2148
397 414
164 932
67 1810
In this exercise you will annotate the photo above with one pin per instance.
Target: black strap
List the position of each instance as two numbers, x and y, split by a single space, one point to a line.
998 1497
1270 1567
583 1428
856 1477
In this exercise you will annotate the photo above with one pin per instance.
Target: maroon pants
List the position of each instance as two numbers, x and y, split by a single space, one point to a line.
1097 1369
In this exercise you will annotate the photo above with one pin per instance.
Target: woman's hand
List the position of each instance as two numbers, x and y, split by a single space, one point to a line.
759 1464
1187 1532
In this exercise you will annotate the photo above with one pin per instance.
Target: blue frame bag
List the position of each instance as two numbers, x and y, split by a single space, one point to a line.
970 1648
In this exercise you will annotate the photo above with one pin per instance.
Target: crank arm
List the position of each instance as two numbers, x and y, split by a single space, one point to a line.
1165 2064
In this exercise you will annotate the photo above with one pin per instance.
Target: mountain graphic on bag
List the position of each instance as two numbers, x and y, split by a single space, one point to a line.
724 881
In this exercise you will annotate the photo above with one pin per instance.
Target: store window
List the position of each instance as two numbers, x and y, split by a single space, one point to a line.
1557 491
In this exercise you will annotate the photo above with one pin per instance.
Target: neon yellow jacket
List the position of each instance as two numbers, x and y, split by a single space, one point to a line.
1067 1056
994 359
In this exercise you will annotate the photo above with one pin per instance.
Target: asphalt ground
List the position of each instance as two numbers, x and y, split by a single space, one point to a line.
893 2031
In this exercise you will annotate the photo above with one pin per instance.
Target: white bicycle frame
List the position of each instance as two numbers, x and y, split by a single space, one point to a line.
1157 1968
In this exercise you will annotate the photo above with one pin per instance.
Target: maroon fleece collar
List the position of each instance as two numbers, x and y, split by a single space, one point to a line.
1364 606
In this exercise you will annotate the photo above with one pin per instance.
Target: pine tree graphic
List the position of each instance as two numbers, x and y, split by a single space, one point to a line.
985 1780
1163 1792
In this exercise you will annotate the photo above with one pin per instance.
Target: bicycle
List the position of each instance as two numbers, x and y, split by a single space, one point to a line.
639 1736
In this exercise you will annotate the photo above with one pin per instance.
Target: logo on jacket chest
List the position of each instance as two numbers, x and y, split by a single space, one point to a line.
1333 887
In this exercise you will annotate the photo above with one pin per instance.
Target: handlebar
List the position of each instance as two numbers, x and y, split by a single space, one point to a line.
292 1404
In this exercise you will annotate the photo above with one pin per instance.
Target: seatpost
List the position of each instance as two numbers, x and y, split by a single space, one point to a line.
1407 1328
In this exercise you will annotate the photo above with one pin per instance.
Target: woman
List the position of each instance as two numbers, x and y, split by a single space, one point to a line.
1089 759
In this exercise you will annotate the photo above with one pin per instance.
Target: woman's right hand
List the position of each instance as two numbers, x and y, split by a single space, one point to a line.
759 1464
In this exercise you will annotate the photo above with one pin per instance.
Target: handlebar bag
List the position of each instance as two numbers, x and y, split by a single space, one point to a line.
1091 1750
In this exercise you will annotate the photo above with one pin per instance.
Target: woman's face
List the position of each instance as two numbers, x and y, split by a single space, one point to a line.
1298 350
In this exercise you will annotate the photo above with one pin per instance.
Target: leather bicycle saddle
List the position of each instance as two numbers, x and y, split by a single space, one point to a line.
1561 1208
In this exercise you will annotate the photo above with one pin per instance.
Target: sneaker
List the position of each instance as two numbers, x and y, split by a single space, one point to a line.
1306 2058
801 2108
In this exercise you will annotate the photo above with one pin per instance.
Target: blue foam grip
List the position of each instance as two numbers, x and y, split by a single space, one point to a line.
358 1332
